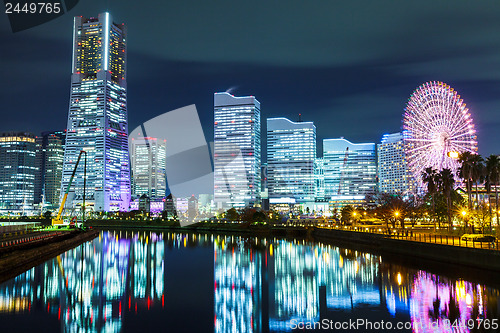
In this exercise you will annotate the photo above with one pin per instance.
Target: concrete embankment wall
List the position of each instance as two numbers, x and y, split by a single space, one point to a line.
19 261
439 253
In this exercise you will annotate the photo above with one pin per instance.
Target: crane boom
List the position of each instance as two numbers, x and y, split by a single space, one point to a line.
58 219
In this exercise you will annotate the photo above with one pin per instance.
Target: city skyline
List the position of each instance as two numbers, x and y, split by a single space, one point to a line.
327 84
98 123
250 166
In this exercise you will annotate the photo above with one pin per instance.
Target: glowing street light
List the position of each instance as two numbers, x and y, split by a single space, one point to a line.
396 213
454 154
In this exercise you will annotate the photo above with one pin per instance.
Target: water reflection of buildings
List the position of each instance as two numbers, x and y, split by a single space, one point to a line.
311 279
91 286
259 285
305 280
308 282
239 278
433 302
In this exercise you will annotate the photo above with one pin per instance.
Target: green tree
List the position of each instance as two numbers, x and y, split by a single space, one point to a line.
346 213
416 208
259 216
465 172
392 208
446 183
478 171
430 177
493 178
47 215
232 214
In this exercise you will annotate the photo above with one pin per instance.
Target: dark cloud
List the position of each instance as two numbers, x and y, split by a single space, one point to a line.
348 66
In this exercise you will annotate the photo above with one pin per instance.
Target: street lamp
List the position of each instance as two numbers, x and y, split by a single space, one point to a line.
396 215
464 214
354 218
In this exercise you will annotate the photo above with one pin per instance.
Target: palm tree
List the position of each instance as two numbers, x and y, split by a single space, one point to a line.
430 177
446 182
477 173
493 174
487 187
465 172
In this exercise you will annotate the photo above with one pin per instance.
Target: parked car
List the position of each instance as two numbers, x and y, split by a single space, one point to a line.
478 238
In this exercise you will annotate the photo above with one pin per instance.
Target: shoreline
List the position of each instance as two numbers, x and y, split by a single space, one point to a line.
21 260
481 265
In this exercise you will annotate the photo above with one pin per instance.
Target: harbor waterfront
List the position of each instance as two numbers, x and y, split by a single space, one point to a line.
417 245
130 280
250 167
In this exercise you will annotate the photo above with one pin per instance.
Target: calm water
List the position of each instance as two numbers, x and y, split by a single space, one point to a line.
167 282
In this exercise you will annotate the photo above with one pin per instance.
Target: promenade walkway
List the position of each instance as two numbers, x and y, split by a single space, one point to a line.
421 236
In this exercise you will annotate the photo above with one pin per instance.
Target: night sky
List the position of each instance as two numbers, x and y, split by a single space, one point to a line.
349 66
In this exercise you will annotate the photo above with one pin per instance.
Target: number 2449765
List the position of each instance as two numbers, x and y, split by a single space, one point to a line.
33 8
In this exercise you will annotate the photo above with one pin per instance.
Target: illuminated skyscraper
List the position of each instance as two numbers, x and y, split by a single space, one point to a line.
97 120
350 169
393 173
49 161
148 167
237 158
291 150
319 178
17 172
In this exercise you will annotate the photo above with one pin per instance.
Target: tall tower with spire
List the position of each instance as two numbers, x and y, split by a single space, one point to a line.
97 119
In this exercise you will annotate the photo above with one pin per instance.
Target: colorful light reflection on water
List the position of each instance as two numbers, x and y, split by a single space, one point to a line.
259 285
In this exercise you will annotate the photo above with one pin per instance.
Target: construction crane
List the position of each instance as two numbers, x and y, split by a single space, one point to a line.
58 220
343 169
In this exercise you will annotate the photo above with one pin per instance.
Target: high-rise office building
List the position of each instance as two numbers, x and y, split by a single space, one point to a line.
97 120
350 169
291 150
49 161
17 172
319 179
237 151
148 157
393 174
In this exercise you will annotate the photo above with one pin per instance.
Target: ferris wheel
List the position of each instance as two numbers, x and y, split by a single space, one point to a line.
437 128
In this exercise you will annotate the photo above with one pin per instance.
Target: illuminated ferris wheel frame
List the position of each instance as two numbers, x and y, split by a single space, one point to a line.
437 128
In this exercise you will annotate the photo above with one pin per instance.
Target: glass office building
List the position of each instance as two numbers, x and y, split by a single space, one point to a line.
291 151
350 170
148 157
97 120
393 173
17 172
319 179
49 162
237 151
